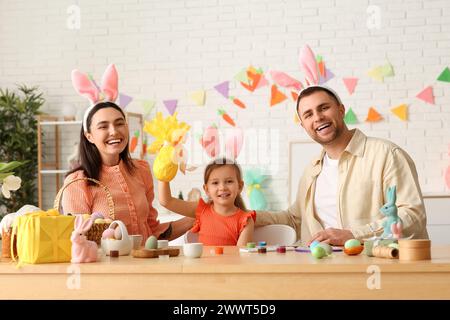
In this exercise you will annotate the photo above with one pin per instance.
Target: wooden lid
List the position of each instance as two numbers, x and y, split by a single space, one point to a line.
414 243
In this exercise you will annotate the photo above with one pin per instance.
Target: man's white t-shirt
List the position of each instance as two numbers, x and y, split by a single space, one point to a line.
325 196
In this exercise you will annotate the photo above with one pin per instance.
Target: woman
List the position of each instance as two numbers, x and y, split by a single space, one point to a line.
104 156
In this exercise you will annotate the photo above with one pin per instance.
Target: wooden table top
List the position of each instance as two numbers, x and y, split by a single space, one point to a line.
233 261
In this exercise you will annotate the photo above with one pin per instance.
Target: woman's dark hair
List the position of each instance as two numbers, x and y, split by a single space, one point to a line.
90 159
220 162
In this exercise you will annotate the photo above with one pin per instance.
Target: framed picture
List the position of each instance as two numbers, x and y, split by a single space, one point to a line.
136 143
301 153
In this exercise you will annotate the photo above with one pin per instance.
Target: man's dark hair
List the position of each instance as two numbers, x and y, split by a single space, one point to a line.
309 91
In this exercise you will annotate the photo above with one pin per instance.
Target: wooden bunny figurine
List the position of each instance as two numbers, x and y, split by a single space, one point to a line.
392 225
83 250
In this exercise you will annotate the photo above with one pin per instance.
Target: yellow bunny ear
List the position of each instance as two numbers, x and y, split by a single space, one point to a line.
155 146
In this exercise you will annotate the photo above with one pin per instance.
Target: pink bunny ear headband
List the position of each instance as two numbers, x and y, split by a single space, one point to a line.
308 64
86 88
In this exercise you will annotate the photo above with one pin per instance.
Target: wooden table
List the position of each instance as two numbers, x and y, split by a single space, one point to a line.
233 275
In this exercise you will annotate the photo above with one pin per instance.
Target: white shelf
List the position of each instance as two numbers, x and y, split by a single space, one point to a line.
53 171
51 123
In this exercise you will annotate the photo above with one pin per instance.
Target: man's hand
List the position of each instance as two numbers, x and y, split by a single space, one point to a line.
336 237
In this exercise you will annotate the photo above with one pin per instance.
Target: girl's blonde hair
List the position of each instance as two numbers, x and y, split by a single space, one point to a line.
220 162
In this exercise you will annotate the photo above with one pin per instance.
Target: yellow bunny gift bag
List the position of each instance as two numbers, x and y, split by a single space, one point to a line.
43 237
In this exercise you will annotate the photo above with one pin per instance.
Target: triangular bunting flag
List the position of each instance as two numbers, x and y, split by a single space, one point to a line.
401 111
350 84
223 88
350 117
328 76
445 75
124 100
276 96
262 82
198 97
171 105
241 76
373 115
148 106
294 96
426 95
376 74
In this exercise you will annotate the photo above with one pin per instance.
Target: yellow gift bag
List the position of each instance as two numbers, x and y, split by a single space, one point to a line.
43 237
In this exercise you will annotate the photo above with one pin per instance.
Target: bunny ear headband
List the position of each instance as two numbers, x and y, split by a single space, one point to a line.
87 88
234 139
309 66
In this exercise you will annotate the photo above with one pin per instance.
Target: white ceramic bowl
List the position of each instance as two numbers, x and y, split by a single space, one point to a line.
193 250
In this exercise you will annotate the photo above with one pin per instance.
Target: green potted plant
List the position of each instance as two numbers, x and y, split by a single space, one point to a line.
18 138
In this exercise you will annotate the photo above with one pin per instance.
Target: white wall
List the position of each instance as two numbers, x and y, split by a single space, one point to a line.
166 49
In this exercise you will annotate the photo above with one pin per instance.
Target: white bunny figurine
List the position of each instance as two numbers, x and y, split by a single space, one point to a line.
83 250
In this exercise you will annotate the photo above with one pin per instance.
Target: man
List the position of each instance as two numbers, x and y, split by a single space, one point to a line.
341 192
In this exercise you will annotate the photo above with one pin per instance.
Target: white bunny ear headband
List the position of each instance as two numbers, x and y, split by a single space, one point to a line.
86 88
308 64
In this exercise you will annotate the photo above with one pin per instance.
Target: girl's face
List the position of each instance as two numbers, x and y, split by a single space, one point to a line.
109 133
223 186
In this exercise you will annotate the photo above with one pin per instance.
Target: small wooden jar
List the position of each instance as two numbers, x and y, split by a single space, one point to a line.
412 250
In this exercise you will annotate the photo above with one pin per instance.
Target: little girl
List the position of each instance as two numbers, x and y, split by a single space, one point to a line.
224 220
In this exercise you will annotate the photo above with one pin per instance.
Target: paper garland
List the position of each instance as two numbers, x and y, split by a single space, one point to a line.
350 117
350 84
198 97
223 88
380 72
401 112
445 75
276 96
426 95
171 106
373 115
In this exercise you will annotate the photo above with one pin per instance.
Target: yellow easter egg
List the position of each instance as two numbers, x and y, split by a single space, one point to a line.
99 220
163 168
117 233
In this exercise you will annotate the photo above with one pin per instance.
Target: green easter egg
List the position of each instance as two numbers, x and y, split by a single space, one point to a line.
352 243
326 247
318 252
151 243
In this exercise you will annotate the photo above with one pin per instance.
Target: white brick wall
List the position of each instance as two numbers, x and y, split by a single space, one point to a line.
166 49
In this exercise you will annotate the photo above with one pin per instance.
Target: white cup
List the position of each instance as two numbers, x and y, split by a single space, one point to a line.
193 250
163 244
137 239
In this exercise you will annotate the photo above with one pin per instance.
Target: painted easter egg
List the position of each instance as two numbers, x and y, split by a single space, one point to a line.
352 243
318 252
108 234
97 215
313 244
117 233
151 243
326 247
